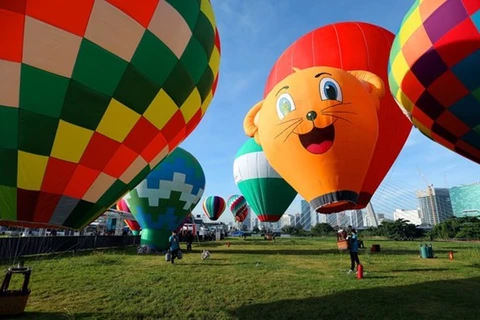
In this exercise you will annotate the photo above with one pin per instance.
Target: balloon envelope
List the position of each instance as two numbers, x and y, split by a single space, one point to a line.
265 190
238 206
93 95
169 193
433 72
353 46
213 207
132 224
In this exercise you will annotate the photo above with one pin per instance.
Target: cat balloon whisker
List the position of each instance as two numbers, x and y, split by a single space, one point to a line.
288 121
336 105
289 127
339 118
338 112
288 135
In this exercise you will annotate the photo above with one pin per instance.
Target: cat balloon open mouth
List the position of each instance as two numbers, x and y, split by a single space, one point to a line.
318 140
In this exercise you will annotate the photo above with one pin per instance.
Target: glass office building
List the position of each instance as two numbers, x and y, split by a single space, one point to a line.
435 204
466 200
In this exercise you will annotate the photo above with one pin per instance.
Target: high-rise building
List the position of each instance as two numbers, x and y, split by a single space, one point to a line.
287 220
357 218
254 222
305 216
435 205
412 216
297 219
320 217
466 200
316 218
247 222
332 219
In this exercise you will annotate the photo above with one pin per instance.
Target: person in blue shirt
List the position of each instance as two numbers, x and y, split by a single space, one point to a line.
353 248
174 246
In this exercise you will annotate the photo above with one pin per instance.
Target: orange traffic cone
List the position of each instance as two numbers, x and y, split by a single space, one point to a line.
450 255
360 271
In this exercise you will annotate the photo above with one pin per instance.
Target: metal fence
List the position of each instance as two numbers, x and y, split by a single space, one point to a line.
15 247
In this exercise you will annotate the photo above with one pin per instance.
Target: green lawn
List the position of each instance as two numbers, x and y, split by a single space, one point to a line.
293 278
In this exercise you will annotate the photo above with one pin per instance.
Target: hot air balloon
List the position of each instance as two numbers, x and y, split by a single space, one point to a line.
238 206
93 95
132 224
433 72
162 201
213 207
265 190
351 46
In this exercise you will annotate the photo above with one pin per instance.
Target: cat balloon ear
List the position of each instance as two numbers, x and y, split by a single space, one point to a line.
373 83
250 123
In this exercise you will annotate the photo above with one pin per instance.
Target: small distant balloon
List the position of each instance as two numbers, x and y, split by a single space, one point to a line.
213 207
268 194
132 224
238 206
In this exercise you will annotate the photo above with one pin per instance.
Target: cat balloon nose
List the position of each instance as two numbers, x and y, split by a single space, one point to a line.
311 115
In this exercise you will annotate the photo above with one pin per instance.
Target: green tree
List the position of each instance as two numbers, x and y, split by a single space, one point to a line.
460 228
321 230
288 230
399 230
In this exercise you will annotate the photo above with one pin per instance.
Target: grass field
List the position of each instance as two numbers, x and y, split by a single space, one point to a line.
293 278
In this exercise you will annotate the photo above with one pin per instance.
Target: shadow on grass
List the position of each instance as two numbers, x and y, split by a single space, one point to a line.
84 315
450 299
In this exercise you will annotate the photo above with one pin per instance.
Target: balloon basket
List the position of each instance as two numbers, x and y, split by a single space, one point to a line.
13 302
342 245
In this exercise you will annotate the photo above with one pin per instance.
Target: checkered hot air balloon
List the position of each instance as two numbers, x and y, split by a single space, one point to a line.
166 196
238 206
265 190
213 207
93 95
132 224
434 72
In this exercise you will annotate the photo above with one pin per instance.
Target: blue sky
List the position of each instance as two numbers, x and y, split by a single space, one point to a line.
253 35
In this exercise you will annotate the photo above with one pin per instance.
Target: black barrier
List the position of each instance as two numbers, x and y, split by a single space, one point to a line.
15 247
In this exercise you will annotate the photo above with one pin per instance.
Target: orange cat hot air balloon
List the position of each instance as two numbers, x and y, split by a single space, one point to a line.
318 128
353 46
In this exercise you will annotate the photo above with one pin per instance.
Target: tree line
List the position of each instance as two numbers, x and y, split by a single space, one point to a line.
465 228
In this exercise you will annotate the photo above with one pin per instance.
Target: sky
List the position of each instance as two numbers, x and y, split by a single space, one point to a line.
253 35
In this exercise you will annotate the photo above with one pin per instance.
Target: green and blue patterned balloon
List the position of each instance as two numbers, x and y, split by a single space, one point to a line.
161 202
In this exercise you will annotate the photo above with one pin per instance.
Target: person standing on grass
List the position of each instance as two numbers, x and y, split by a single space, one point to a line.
353 248
174 245
189 240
